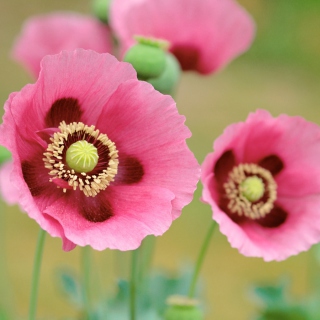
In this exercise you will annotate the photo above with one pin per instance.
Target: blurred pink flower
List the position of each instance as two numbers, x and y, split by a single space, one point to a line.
283 155
8 190
204 35
145 173
52 33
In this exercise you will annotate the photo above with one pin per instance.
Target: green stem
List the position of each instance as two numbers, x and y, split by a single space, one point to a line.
86 258
133 283
36 275
147 248
200 259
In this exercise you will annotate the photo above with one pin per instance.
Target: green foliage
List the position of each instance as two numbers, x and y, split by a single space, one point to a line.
279 305
70 286
151 301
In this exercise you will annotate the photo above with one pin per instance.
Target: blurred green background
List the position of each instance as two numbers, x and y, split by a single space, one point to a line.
280 73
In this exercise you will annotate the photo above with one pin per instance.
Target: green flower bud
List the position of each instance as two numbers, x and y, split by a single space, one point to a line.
147 57
101 10
183 308
5 154
169 78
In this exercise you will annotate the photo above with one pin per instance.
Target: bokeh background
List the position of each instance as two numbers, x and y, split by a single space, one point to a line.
280 73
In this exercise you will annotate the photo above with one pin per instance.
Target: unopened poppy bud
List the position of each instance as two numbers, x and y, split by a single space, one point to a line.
5 154
148 57
183 308
101 10
169 78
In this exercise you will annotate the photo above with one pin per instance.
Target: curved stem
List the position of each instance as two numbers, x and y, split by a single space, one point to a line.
133 284
36 275
86 258
200 259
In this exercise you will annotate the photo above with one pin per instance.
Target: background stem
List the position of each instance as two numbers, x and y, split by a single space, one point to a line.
36 275
86 264
200 259
133 283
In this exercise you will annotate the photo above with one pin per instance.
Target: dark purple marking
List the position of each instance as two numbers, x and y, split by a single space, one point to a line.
131 170
187 56
276 217
272 163
95 209
223 166
64 109
29 172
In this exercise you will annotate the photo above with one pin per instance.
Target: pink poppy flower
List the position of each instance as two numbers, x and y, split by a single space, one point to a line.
262 182
52 33
204 35
100 158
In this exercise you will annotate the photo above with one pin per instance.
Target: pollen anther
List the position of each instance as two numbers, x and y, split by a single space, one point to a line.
92 181
239 202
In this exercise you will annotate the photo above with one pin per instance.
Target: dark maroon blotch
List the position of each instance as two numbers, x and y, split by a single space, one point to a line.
223 205
223 166
187 56
272 163
95 210
276 217
29 172
131 170
64 109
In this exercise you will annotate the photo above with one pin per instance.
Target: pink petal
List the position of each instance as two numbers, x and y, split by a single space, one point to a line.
8 127
52 33
8 191
205 35
70 90
136 212
154 133
31 180
296 235
67 245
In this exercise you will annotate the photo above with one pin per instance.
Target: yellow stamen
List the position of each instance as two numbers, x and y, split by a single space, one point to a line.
251 191
89 185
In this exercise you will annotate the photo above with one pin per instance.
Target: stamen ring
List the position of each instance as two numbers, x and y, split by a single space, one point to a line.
238 203
90 183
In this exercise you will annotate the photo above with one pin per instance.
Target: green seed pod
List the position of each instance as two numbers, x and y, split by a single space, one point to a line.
5 154
154 42
169 78
101 10
183 308
82 156
148 60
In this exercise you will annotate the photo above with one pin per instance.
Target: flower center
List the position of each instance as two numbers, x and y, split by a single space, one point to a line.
251 191
252 188
81 157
